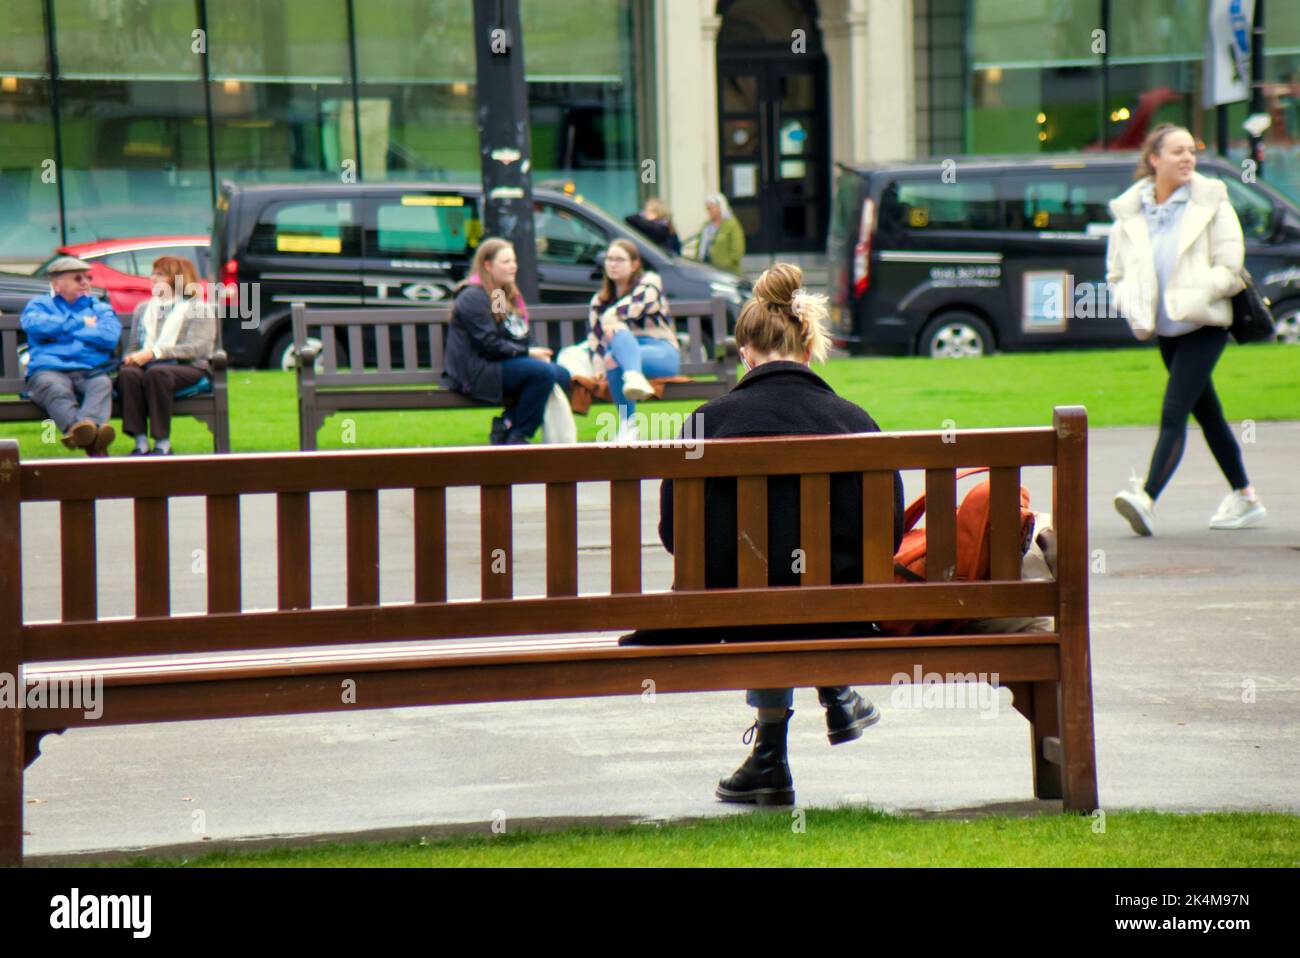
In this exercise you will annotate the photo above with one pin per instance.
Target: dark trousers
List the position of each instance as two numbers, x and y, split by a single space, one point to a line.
151 391
527 384
1190 359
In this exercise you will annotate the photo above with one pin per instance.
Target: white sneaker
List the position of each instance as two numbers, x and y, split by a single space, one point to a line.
1136 506
636 387
1238 512
627 431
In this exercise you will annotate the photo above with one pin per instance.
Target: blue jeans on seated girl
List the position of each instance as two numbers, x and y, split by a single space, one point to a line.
527 384
648 355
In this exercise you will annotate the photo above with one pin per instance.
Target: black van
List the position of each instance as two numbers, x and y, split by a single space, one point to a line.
961 257
399 244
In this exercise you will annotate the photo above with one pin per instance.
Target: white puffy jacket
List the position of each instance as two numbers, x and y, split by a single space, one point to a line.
1211 253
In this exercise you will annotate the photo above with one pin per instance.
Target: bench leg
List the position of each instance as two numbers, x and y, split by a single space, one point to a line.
1037 702
11 786
1078 749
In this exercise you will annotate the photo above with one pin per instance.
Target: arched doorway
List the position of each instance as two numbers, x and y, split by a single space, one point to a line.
774 148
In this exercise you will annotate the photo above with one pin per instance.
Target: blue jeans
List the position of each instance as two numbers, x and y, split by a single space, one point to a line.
57 391
527 384
649 356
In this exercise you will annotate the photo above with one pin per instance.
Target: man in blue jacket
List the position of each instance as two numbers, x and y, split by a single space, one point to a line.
71 338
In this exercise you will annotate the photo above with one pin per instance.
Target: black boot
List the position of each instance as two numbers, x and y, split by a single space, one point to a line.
500 429
764 778
847 713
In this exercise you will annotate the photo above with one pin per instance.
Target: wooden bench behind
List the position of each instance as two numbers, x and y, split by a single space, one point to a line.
211 408
408 347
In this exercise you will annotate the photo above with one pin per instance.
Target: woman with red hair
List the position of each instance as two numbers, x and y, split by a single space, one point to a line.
172 335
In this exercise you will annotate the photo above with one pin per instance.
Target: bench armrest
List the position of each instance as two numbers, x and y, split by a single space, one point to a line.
219 359
308 355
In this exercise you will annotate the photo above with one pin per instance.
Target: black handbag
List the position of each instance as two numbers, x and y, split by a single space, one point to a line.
1252 320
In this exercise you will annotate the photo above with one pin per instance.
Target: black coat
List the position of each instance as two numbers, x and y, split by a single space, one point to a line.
776 399
476 344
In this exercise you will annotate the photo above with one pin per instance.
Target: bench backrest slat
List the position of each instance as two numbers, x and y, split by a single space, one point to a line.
363 546
9 357
940 524
152 565
688 537
496 550
410 356
223 558
383 358
437 347
815 528
293 549
79 569
429 511
1004 523
329 353
561 538
877 526
751 532
625 536
356 350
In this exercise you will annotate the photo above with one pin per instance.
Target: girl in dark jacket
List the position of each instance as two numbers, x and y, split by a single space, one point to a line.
779 332
489 353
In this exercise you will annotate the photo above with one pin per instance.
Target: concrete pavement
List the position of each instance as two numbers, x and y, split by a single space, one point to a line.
1196 671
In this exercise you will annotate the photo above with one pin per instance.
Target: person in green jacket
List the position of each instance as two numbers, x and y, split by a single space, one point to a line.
722 241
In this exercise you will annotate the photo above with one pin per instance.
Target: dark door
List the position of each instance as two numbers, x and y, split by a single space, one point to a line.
774 152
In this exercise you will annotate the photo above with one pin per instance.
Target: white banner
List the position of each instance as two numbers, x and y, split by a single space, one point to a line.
1227 52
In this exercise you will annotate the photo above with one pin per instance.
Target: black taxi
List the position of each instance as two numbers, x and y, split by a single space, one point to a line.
962 257
400 244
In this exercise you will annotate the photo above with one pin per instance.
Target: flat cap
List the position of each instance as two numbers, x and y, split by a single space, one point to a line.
66 264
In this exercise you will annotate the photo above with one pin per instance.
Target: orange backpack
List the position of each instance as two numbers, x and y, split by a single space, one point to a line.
972 548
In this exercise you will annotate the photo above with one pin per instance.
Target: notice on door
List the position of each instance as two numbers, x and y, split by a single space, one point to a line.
744 180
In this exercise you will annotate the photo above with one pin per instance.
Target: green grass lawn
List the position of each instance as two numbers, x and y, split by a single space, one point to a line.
1120 387
833 837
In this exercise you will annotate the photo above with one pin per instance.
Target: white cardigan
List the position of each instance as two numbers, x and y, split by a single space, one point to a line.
1211 253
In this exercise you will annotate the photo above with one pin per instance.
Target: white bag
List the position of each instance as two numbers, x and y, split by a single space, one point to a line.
579 360
557 421
1038 565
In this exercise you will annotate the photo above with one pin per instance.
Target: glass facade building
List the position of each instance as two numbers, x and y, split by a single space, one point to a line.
1048 75
122 117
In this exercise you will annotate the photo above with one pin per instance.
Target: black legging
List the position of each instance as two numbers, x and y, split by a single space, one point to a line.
1190 359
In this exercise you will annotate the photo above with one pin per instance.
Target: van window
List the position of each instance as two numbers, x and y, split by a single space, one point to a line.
422 224
564 237
1061 201
920 206
1254 209
312 228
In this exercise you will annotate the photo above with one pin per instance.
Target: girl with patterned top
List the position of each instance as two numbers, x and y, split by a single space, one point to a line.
632 330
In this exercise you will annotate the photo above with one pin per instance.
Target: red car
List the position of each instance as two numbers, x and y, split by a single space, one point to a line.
122 266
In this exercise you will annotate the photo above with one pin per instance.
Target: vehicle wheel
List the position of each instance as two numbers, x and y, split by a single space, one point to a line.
1287 320
956 335
284 356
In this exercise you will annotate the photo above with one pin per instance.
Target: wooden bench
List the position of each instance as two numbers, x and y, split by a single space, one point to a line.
408 347
211 408
492 649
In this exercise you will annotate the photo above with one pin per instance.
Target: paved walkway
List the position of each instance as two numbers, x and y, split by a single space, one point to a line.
1187 627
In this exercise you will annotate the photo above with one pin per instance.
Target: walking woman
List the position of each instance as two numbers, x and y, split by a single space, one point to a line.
780 331
172 336
632 331
1173 263
489 354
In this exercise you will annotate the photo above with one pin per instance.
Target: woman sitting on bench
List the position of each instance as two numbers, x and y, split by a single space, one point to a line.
779 332
631 331
172 336
489 355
